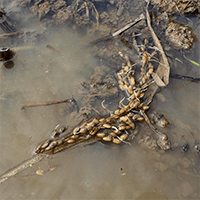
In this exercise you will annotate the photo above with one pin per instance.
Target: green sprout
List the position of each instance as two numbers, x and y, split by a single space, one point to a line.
192 61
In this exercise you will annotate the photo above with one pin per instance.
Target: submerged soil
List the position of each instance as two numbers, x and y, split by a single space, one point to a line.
92 171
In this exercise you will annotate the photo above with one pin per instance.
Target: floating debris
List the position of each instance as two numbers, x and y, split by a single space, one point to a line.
40 172
181 36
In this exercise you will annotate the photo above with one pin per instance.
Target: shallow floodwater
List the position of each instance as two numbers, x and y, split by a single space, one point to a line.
93 171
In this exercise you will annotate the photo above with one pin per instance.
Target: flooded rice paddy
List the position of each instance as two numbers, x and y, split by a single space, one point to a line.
95 171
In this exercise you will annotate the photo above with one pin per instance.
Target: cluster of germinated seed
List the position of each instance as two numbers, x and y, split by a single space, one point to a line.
113 129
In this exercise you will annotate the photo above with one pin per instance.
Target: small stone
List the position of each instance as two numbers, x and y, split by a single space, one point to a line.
52 168
160 166
186 189
185 162
161 97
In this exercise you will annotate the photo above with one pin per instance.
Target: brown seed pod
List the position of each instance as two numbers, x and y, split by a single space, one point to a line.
164 137
83 130
126 68
45 144
140 83
107 138
61 129
101 135
95 121
119 132
123 110
126 83
130 89
132 81
127 107
150 70
117 112
144 79
59 142
147 74
139 119
106 125
128 127
124 136
119 77
116 141
123 87
163 142
130 114
102 119
76 130
90 125
141 95
70 141
51 145
74 136
38 149
141 105
136 104
120 82
113 134
145 41
122 128
124 119
133 96
114 116
83 125
137 93
132 125
145 107
145 58
94 131
135 116
162 122
55 134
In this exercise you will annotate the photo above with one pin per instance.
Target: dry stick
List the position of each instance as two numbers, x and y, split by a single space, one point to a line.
187 78
47 103
163 70
107 37
97 14
5 35
22 166
87 11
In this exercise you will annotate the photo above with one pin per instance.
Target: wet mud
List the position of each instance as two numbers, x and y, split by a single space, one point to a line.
57 62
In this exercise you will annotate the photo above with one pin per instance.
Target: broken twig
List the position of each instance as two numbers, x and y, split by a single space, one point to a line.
47 103
107 37
22 166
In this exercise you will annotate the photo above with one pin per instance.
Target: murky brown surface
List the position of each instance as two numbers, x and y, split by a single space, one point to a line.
93 171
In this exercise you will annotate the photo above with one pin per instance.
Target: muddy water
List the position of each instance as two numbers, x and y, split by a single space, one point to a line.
93 171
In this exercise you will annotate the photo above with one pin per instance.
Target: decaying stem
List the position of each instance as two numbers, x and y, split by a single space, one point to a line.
22 166
6 35
163 70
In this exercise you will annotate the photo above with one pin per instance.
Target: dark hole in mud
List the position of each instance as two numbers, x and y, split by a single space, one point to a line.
9 64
